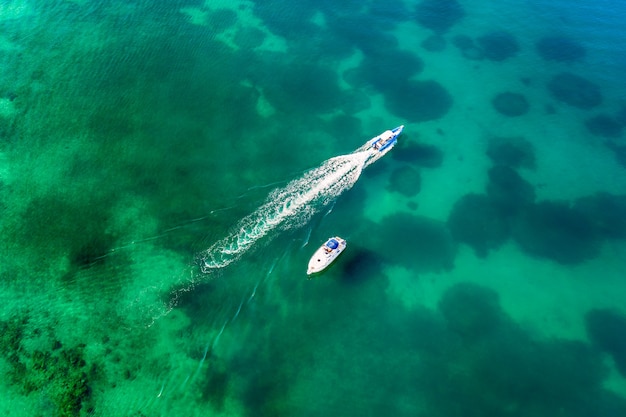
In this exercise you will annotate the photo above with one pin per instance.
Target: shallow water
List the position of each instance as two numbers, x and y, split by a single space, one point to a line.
485 260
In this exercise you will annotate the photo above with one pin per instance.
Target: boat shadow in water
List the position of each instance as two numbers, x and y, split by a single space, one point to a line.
358 266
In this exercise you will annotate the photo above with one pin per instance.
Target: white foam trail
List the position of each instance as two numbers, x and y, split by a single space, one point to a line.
288 207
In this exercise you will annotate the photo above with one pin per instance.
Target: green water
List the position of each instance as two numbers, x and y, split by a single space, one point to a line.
484 273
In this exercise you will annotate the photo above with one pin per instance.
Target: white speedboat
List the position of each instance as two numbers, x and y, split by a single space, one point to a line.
326 254
381 144
386 139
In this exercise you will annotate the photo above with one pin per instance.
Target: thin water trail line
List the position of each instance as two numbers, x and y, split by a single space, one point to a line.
184 384
259 187
238 310
209 347
270 278
330 210
164 233
217 338
253 294
307 237
164 391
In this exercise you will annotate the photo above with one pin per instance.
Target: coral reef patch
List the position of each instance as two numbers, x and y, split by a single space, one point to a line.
498 45
560 49
575 90
477 222
419 101
510 104
405 180
607 329
515 152
556 231
439 15
604 126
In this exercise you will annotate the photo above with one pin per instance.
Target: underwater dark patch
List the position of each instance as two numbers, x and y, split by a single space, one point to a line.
361 265
607 213
463 41
476 221
405 180
419 101
498 45
289 20
7 130
391 69
426 156
389 12
344 123
60 227
109 123
560 49
619 151
471 311
508 191
156 58
262 397
607 329
92 252
560 374
439 15
515 152
419 243
363 32
575 90
434 43
249 37
325 45
194 301
354 101
620 116
355 78
11 335
304 88
492 367
215 388
469 49
604 126
63 372
427 330
510 104
221 19
556 231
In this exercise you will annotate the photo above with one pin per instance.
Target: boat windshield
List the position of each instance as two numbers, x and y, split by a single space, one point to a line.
332 243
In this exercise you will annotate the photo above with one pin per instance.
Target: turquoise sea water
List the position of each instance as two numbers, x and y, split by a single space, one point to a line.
484 273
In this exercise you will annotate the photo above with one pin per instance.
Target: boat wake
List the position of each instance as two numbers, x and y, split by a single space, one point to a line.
288 207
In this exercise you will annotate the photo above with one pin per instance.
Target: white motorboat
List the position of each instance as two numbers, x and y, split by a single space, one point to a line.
381 144
326 254
386 139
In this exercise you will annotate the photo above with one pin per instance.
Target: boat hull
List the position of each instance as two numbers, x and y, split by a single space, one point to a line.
324 256
379 145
